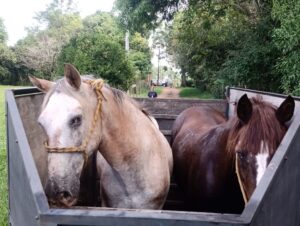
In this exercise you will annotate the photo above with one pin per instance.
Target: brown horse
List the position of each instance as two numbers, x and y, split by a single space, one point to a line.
82 116
208 150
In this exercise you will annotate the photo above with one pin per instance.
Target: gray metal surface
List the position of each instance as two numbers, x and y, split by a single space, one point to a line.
275 201
26 196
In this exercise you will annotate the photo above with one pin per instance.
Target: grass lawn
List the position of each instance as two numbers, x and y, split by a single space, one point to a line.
189 92
3 161
157 89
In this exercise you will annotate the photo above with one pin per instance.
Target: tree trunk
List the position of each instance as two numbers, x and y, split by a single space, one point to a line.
183 80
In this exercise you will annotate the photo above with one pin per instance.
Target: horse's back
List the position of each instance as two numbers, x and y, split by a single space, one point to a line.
201 164
197 120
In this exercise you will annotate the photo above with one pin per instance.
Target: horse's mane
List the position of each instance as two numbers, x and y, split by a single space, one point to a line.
263 124
119 96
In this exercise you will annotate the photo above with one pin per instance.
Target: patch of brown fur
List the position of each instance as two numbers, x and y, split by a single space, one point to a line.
262 126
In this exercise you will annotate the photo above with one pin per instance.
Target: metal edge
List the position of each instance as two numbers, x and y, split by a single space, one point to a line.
264 93
71 216
7 158
141 99
30 167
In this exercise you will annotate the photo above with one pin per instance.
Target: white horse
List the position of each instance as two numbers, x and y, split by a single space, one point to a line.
82 116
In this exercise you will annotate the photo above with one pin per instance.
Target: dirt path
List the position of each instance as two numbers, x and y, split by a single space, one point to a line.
169 92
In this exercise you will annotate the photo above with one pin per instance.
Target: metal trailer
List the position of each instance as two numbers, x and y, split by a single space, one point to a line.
276 200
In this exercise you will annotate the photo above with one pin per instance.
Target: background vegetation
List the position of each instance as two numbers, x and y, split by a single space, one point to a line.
95 44
189 92
246 43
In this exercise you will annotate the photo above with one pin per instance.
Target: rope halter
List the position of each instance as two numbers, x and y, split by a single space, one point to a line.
96 86
240 180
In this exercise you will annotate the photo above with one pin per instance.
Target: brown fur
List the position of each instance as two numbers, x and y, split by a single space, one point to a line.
262 124
204 147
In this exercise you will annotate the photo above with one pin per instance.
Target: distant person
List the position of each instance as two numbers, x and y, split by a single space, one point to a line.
152 94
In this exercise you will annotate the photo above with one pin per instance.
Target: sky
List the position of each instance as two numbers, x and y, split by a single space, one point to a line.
18 14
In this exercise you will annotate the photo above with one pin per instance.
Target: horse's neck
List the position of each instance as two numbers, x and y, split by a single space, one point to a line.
117 132
220 134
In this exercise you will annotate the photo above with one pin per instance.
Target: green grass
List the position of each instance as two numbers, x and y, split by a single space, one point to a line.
189 92
3 161
157 89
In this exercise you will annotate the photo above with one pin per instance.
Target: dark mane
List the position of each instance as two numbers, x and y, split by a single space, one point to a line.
263 124
119 95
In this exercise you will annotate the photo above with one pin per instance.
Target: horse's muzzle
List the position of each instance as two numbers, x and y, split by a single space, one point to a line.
59 197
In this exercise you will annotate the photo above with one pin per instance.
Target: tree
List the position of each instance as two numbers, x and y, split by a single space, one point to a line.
144 15
40 49
219 44
3 33
7 56
287 40
98 49
140 55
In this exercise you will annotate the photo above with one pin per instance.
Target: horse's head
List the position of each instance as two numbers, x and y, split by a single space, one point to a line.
66 116
257 132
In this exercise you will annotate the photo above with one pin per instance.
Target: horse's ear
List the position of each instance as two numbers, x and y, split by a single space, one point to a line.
72 76
42 84
244 109
286 110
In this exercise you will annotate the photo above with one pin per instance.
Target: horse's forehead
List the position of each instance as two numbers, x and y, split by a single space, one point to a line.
58 105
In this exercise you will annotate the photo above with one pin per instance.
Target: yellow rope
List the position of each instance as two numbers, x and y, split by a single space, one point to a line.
97 86
240 180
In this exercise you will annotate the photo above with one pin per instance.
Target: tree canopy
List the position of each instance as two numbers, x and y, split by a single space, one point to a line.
245 43
97 53
94 44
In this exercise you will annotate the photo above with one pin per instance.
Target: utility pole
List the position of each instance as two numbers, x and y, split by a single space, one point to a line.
158 58
127 41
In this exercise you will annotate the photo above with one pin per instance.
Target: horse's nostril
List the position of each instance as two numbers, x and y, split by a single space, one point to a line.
65 195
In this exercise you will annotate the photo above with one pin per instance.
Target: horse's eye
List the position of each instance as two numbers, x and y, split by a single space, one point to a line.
242 155
75 122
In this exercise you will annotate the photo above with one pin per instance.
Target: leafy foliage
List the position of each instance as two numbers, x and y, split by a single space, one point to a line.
140 56
3 34
144 15
7 56
97 49
231 46
287 40
219 43
40 49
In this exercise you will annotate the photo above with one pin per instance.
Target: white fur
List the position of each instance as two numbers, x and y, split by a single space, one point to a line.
261 161
60 106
